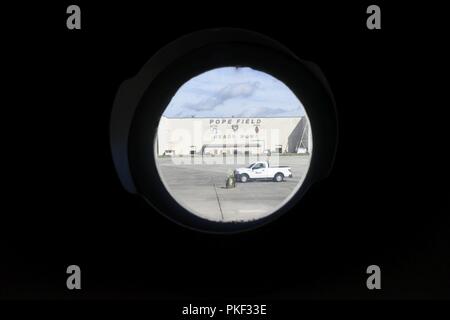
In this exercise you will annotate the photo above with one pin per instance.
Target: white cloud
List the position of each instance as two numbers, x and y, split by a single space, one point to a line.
231 91
234 90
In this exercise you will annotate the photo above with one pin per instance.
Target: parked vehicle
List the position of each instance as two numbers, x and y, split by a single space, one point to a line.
262 170
169 153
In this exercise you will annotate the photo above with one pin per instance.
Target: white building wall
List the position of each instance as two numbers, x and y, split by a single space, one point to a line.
185 134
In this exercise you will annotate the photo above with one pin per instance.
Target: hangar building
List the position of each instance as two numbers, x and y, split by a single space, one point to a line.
233 136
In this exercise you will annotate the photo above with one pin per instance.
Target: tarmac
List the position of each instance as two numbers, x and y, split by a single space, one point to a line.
199 186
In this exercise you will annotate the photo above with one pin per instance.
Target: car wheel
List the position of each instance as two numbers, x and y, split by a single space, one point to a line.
244 178
279 177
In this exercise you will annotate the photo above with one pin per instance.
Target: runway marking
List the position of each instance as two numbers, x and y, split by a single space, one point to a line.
218 201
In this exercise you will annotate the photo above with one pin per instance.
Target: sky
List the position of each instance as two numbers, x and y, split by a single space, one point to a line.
238 92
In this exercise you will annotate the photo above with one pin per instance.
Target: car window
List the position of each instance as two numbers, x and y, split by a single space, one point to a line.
259 166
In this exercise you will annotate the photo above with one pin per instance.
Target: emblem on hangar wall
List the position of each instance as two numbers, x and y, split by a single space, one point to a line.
234 127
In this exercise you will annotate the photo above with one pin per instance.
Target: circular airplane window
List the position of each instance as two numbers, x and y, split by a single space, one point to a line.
216 130
233 145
